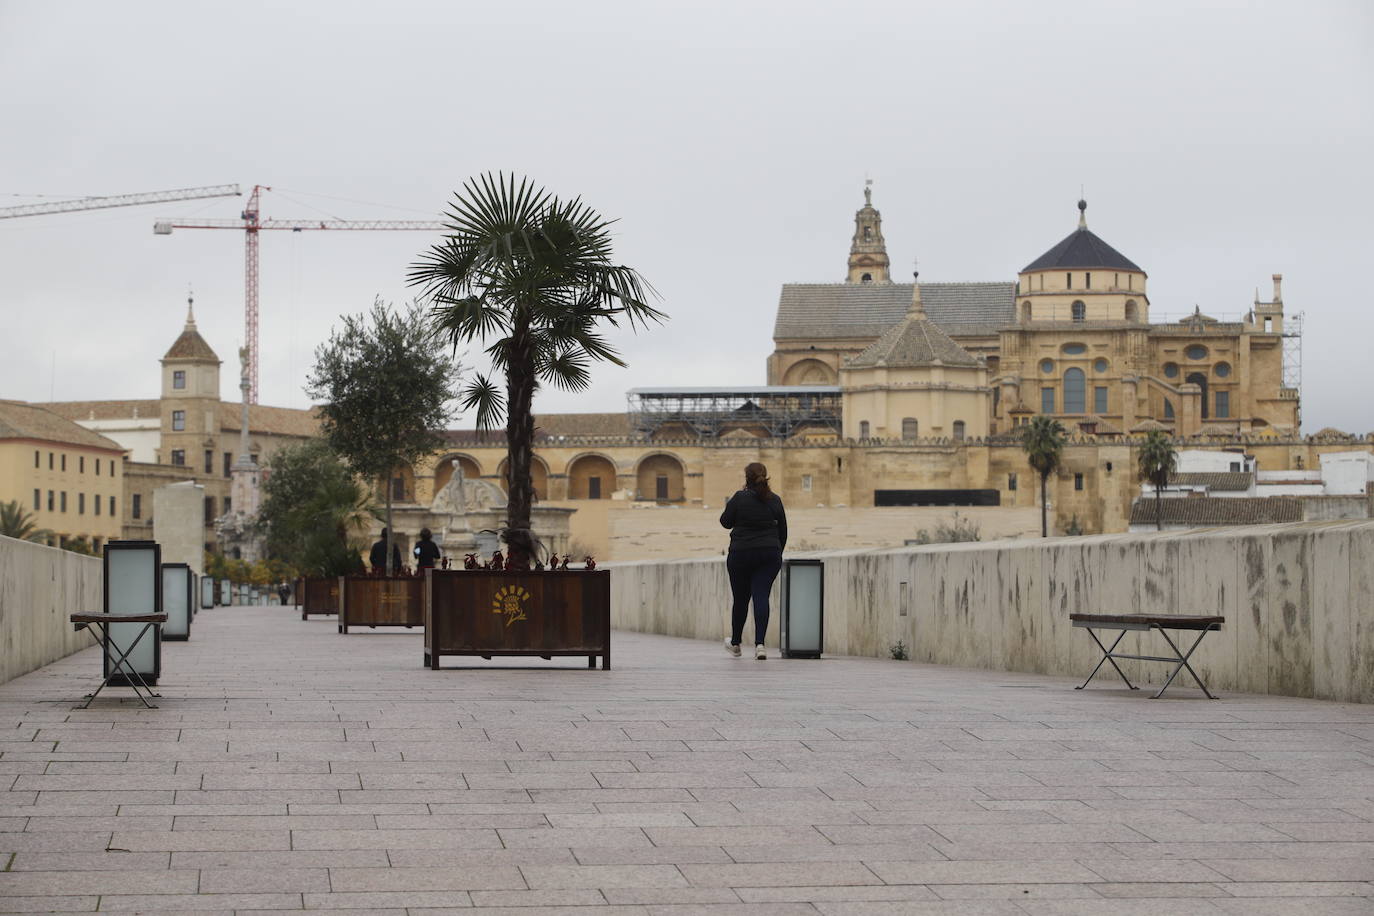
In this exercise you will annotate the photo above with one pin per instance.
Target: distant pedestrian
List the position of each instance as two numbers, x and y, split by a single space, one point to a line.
758 534
426 551
377 558
283 592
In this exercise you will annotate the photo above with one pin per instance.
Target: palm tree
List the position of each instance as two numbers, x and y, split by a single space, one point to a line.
1157 460
17 523
531 275
1043 440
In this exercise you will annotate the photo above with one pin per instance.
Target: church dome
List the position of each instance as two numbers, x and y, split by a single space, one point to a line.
1082 250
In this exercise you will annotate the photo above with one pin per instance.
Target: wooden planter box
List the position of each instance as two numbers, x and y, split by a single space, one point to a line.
321 597
491 613
381 601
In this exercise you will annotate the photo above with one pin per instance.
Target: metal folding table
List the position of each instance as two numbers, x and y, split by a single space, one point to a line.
101 623
1137 622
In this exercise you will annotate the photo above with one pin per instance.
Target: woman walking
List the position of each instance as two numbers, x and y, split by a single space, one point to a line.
758 534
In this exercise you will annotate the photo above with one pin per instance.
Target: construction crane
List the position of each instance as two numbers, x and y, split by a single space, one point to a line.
250 222
120 200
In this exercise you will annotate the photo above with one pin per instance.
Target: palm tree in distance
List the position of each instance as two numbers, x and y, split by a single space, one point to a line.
531 276
17 523
1157 460
1043 441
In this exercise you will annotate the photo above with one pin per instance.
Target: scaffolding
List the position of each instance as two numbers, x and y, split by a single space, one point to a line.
776 411
1292 359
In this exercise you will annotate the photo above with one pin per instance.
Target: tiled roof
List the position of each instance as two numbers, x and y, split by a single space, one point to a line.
278 421
829 310
547 426
1217 481
915 340
21 420
1082 248
106 410
1209 511
190 345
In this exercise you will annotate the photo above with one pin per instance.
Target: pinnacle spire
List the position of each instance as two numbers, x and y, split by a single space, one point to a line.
190 310
1082 213
868 262
916 309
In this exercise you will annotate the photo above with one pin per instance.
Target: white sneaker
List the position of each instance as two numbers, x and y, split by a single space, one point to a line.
731 648
760 652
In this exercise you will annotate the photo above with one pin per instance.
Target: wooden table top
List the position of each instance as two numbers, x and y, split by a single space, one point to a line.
119 618
1170 621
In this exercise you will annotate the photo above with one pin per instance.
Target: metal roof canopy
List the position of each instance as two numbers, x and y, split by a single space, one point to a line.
779 410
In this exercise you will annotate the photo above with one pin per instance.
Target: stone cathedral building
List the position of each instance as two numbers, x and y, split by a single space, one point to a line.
1071 338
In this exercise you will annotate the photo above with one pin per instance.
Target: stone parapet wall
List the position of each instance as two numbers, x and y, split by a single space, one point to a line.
1297 600
40 588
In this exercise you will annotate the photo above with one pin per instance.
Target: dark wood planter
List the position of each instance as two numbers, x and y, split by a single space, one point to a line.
491 612
381 601
321 597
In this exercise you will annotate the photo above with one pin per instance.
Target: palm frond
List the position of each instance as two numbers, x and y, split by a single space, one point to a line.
487 398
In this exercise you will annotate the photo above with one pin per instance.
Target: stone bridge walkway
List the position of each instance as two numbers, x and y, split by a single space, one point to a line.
292 768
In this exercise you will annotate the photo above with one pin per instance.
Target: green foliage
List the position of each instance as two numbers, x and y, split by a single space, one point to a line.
79 545
17 523
1043 441
1156 461
386 382
898 651
954 531
531 276
313 509
1074 529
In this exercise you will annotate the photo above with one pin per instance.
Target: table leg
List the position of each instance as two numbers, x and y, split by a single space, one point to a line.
134 678
1106 657
1183 663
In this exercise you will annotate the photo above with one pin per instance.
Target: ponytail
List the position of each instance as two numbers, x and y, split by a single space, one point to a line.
756 479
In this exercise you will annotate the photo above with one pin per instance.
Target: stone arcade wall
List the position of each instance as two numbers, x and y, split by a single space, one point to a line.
40 587
1297 600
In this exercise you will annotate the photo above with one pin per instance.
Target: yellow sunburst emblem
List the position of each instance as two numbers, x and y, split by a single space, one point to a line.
510 601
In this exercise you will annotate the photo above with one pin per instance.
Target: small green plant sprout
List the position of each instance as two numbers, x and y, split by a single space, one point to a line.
898 651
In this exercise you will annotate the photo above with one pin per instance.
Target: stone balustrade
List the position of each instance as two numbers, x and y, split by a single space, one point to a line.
1298 601
40 588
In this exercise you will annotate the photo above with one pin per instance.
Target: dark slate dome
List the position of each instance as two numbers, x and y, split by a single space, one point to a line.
1082 250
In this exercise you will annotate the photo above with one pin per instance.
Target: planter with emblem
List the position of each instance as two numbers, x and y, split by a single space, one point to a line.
321 596
380 601
492 612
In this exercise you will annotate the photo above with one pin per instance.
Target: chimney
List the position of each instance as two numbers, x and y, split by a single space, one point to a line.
1278 284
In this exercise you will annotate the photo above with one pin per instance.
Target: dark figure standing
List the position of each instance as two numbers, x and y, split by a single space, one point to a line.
426 551
378 556
758 534
283 593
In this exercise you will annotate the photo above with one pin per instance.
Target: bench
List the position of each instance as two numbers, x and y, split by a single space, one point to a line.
1137 622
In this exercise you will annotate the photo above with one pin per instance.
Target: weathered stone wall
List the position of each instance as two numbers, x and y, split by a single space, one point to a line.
40 588
1297 602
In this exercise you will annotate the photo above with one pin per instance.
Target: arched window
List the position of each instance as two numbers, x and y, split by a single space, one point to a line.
1200 380
958 429
909 427
1131 313
868 233
863 429
1080 311
1168 409
1025 311
1074 391
866 278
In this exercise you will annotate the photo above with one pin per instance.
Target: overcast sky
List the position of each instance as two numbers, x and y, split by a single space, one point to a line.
1218 143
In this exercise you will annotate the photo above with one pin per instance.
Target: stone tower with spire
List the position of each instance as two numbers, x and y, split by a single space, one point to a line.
868 261
190 398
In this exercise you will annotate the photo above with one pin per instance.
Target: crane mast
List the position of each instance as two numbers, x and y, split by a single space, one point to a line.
251 223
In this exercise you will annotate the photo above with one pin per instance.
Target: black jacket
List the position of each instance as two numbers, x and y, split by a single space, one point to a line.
378 556
426 554
755 522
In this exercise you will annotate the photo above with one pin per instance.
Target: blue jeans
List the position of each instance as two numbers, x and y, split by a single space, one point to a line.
752 572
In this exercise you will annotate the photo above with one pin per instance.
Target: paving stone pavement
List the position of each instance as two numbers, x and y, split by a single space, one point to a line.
289 768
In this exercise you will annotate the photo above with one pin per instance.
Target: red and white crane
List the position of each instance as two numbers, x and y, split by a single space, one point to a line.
250 222
119 200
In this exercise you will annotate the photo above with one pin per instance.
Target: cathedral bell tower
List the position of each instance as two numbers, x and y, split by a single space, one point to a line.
868 261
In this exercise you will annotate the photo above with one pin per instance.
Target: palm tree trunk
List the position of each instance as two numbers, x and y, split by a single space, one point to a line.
1159 506
1044 507
520 384
389 534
